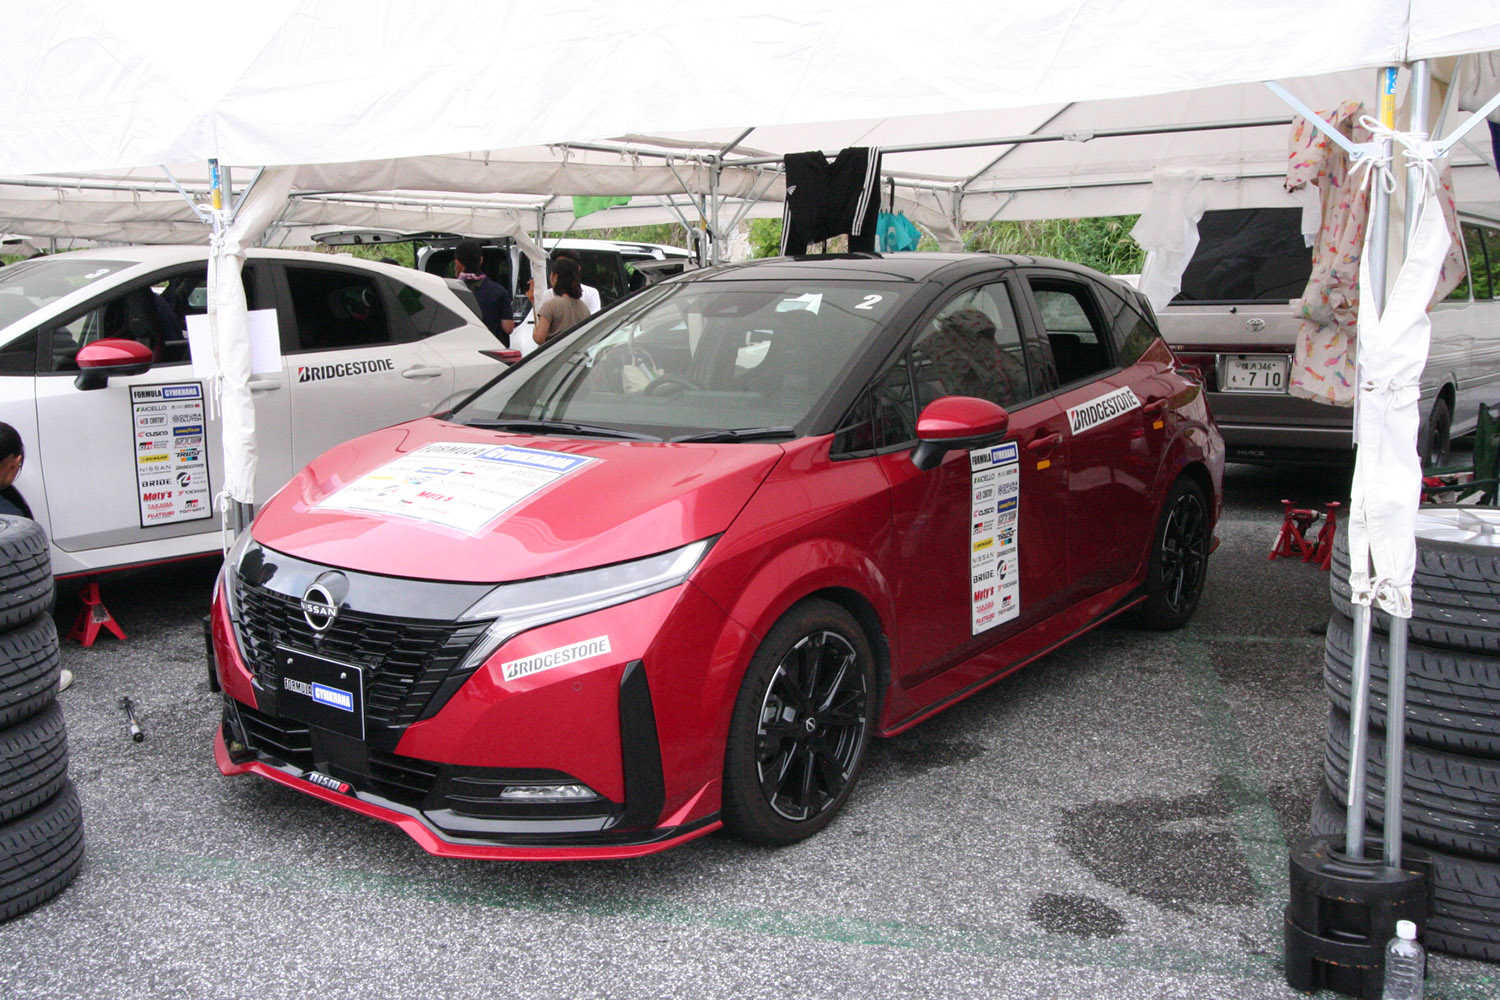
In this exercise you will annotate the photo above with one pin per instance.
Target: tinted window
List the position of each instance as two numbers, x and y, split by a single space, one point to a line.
19 356
27 286
427 316
155 315
1248 254
972 347
337 309
1073 329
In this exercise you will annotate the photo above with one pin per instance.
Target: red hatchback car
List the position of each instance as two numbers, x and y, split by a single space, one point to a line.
677 569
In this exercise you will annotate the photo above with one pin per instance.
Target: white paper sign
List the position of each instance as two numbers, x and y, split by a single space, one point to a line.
994 552
265 344
171 453
455 484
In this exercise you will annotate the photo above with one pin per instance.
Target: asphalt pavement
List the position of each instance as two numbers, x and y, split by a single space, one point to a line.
1112 821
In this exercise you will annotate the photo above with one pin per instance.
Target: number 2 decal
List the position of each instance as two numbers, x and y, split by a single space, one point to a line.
869 302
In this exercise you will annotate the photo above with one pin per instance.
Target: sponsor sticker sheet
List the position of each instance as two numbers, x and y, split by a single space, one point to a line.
171 454
455 484
994 555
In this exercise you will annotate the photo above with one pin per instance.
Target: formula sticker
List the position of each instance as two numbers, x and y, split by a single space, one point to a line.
454 484
171 464
994 556
537 662
1102 409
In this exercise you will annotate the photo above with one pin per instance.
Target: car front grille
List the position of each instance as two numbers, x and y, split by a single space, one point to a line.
406 660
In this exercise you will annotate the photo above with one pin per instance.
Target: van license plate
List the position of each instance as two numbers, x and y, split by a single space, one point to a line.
1255 373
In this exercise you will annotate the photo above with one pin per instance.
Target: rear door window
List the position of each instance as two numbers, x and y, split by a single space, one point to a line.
1073 327
337 309
1248 255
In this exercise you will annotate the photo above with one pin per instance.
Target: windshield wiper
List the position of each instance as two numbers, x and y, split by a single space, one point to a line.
738 434
560 427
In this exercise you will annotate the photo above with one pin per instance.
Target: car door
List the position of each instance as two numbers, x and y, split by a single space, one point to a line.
141 458
979 543
1113 428
354 361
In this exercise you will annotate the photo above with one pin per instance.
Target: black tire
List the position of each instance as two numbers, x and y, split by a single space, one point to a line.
1452 696
1465 918
1455 592
33 762
25 571
40 853
808 698
1447 801
1436 436
29 666
1179 558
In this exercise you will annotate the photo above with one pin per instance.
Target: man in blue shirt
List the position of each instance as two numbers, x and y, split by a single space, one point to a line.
494 300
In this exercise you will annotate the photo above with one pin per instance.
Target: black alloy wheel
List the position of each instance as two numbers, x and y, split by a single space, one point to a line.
801 726
1179 558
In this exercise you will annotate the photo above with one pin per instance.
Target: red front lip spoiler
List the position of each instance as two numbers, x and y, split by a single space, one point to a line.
434 844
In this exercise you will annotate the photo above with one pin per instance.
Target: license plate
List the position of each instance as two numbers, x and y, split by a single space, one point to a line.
321 692
1255 373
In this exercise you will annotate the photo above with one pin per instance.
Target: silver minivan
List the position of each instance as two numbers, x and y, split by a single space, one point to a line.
1233 319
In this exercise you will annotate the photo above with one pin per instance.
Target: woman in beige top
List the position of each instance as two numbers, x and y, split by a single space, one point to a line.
565 309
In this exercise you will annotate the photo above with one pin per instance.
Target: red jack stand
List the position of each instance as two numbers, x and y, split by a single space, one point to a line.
92 617
1322 553
1292 542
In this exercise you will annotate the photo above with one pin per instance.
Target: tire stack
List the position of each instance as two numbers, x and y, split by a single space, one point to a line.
41 824
1451 790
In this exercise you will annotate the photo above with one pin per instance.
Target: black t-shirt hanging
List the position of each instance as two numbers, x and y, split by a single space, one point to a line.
828 198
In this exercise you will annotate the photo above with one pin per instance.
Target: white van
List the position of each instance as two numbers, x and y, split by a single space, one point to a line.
122 441
1233 320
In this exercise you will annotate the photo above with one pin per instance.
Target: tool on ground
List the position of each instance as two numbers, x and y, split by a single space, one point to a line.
136 732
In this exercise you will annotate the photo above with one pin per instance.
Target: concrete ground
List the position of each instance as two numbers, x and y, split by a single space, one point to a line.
1111 822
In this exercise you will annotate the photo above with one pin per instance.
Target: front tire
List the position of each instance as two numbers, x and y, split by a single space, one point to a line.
1179 558
801 726
1436 436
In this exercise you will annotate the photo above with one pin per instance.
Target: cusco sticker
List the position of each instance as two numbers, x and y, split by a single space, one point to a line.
1102 409
537 662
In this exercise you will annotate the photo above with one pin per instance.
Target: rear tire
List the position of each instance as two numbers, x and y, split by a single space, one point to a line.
1179 558
801 726
1436 436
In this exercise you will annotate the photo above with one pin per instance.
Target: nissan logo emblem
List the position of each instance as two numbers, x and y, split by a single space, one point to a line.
318 608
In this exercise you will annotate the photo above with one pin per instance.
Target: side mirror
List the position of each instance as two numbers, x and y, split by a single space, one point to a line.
957 422
112 356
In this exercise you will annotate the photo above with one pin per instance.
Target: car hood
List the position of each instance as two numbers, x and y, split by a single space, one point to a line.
420 500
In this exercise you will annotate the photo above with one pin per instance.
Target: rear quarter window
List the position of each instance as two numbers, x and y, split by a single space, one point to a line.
1248 255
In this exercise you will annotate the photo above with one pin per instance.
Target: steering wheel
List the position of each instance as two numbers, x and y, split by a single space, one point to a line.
662 385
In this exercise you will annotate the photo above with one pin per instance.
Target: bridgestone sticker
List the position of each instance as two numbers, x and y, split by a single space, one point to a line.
171 462
994 520
455 484
1102 410
538 662
316 373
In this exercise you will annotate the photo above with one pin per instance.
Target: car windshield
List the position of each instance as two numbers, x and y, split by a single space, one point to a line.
33 284
706 360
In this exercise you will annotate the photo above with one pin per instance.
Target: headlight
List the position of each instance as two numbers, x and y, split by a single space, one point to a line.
516 607
229 575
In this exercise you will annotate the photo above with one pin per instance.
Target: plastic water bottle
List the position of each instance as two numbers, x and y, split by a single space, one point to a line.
1405 964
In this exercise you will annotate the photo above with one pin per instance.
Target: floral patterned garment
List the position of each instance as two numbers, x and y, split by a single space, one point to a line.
1323 366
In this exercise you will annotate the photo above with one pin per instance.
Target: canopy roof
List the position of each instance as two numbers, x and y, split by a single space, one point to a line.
373 100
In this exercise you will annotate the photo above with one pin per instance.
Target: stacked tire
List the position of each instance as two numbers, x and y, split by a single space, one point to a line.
41 824
1451 785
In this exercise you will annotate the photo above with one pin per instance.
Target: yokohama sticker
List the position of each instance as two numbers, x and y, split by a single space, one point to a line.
537 662
1102 410
994 502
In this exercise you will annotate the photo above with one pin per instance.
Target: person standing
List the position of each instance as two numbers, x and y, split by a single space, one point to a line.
494 300
12 457
590 294
565 308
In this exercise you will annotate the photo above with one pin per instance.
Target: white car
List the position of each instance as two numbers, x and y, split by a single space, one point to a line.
123 458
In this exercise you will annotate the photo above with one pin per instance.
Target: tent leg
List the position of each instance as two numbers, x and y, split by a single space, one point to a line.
1395 742
1359 714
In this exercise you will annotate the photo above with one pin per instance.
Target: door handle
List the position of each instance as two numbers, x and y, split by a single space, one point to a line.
264 384
1045 442
422 371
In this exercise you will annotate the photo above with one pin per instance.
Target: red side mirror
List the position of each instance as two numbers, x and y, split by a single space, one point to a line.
957 422
110 356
